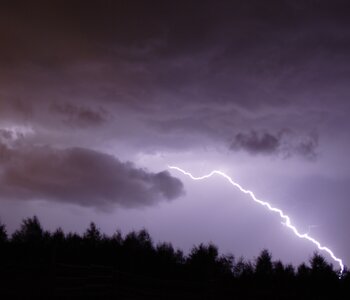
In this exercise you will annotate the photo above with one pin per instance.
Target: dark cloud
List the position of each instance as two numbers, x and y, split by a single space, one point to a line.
285 143
63 30
81 176
156 58
6 134
256 143
79 115
307 146
14 135
172 75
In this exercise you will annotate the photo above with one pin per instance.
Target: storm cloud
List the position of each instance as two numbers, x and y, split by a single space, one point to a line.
285 143
81 176
184 68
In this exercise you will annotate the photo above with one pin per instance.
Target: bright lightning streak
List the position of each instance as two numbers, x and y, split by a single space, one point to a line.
283 216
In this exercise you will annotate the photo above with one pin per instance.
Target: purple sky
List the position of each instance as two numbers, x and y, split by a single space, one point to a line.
98 97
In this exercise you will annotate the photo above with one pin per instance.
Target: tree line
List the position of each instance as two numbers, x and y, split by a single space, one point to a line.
135 253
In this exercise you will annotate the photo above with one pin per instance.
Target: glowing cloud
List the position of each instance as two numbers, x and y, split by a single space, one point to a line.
286 219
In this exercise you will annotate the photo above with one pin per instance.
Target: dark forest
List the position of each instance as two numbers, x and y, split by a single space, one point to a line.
38 264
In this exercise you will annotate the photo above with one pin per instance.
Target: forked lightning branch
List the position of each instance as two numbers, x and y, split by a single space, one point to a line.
284 217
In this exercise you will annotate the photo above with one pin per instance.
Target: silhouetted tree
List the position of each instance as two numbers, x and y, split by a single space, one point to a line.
320 269
226 263
283 275
303 272
263 266
92 234
31 241
289 271
136 241
167 254
168 261
58 235
139 252
204 262
110 250
30 231
3 242
73 253
243 269
346 278
278 269
3 234
318 264
117 238
57 244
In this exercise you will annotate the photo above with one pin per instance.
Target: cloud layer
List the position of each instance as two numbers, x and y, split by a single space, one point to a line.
187 69
81 176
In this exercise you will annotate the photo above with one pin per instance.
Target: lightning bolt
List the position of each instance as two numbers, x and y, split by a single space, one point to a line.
287 222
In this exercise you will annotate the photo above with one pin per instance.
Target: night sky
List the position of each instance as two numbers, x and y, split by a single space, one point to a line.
97 98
